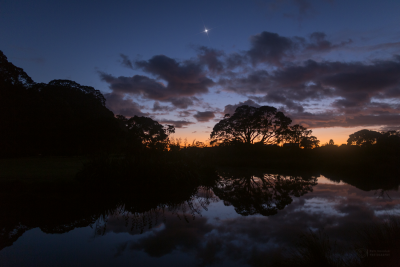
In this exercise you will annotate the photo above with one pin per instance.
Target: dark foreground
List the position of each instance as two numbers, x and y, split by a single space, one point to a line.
241 217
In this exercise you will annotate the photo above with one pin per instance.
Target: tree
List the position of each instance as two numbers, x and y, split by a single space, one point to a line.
364 138
331 142
309 142
145 132
294 134
389 139
61 117
249 125
11 75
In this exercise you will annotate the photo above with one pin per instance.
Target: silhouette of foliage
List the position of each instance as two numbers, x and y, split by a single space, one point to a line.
389 139
364 138
58 118
249 125
260 194
12 76
309 142
294 134
144 131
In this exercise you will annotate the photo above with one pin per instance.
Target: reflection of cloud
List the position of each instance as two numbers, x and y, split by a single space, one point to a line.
176 234
339 209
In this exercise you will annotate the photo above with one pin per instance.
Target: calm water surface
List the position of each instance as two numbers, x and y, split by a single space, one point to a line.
241 221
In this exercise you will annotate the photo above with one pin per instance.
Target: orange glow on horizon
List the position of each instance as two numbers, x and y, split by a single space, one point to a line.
338 134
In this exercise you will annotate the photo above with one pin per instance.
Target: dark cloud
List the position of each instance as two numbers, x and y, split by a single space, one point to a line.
123 106
334 119
184 78
184 81
230 109
254 82
270 47
318 43
211 58
177 124
204 116
351 86
271 71
158 107
126 62
184 114
181 102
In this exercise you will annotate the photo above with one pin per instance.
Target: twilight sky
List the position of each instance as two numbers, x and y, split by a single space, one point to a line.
330 65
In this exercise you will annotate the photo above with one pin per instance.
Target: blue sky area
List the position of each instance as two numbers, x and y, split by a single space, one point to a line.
333 66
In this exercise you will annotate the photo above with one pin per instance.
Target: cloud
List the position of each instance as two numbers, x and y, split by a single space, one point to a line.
184 81
184 78
158 107
126 62
351 86
204 116
318 43
177 124
211 58
230 109
275 70
123 106
184 114
270 47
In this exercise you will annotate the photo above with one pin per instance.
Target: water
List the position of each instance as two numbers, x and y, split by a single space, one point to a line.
242 221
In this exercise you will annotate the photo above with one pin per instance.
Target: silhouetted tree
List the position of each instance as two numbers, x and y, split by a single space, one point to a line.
389 139
364 138
249 125
294 134
61 117
309 142
12 76
331 142
144 131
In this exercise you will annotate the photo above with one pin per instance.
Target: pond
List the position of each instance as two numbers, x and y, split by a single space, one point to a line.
243 220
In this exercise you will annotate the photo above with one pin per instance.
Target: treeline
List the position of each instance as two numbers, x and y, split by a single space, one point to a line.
63 117
66 118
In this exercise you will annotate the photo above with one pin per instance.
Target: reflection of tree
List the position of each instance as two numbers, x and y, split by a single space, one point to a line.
140 211
263 194
138 222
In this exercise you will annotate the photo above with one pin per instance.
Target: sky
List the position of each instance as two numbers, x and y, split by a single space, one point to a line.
332 66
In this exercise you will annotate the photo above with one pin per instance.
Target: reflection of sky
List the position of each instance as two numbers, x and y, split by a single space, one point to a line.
217 236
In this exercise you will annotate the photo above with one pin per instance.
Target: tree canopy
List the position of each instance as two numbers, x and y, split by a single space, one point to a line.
61 117
364 138
250 125
145 132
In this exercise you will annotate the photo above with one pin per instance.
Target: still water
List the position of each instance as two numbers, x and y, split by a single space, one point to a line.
242 220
